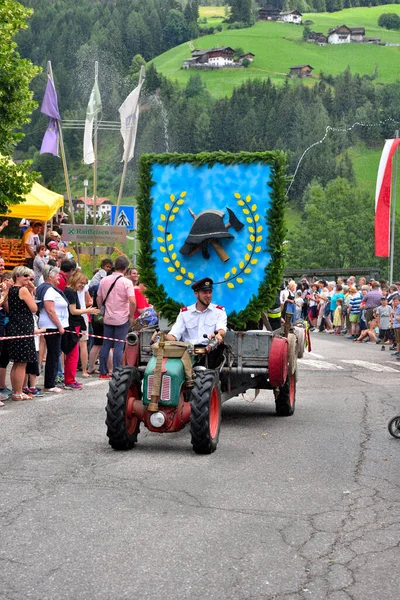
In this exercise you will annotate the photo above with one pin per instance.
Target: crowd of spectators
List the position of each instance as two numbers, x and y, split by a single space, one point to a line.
87 321
359 310
54 298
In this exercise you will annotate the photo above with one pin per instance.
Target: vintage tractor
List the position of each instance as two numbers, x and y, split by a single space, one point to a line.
167 385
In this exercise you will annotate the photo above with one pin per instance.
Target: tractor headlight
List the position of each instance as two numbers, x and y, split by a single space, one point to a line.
157 419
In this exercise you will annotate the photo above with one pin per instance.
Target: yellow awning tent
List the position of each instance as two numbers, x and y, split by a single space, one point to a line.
40 204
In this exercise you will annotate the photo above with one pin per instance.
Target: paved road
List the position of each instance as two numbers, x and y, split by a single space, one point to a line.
293 508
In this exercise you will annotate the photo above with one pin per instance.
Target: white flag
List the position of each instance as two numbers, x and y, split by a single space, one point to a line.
129 113
93 109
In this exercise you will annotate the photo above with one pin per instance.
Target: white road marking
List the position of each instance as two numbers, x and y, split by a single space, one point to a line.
96 382
319 364
370 366
312 355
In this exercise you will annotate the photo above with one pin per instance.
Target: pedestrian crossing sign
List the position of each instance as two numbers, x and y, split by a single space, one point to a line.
126 217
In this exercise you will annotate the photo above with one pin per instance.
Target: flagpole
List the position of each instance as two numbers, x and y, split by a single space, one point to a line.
393 207
126 157
64 161
96 74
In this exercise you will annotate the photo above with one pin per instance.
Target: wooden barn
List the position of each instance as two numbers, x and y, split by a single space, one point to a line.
300 71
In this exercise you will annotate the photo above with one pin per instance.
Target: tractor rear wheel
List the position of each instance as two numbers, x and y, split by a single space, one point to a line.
122 425
285 398
205 416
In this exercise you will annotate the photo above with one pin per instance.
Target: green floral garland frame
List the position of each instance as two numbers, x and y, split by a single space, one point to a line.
274 219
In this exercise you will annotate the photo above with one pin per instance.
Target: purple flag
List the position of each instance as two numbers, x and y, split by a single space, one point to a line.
50 108
50 102
50 140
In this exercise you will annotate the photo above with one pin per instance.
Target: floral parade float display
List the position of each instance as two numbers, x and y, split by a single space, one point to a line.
211 215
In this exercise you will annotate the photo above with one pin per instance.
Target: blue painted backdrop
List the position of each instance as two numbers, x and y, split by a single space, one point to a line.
242 188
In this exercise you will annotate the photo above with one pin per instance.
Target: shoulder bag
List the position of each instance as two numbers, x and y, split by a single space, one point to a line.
100 317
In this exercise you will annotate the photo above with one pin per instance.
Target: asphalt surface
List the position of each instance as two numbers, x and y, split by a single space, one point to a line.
298 507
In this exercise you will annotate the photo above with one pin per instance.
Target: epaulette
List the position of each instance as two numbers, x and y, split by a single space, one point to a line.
220 307
184 309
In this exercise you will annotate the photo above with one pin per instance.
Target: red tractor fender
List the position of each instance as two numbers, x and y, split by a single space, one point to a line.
278 362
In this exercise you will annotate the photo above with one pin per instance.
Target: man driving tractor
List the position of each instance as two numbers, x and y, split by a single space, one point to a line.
201 318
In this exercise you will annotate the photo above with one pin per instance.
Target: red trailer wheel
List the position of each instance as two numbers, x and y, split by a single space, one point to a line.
285 398
278 362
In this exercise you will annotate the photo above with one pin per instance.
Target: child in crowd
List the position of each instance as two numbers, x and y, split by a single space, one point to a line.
313 306
322 304
338 316
371 334
299 305
383 313
396 323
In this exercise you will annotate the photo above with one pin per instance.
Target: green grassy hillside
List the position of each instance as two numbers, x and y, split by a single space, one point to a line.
366 163
278 46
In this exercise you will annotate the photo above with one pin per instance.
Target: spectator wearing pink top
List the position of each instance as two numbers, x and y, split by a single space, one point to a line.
117 295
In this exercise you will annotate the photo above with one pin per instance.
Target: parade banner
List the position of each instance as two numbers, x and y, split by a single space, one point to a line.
382 199
49 107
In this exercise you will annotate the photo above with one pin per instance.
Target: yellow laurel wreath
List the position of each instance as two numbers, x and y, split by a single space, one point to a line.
252 217
235 274
166 242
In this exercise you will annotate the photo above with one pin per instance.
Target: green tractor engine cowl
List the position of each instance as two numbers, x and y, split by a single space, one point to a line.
172 380
170 411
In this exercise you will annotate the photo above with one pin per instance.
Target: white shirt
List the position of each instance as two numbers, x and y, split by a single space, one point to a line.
60 306
82 297
192 324
32 240
283 296
82 302
36 338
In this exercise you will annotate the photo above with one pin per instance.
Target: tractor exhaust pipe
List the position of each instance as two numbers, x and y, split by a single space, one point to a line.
132 338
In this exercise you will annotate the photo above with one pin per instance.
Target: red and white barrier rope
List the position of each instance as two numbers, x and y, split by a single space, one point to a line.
19 337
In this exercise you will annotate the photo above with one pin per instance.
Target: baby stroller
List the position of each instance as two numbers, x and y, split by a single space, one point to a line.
394 427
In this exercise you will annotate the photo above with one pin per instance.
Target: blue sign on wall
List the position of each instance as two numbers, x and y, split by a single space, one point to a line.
126 217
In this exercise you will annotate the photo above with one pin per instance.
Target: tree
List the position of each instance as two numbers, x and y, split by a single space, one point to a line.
319 6
136 64
238 52
176 28
336 230
153 79
346 169
194 86
16 103
389 20
241 11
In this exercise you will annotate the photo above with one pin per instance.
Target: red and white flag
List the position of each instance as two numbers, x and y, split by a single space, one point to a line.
382 198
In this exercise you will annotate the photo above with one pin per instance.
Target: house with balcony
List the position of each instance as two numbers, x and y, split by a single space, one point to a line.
268 13
300 71
103 206
291 16
215 58
345 35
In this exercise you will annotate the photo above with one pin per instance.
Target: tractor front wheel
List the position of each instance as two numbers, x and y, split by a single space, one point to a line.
285 397
122 425
205 416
